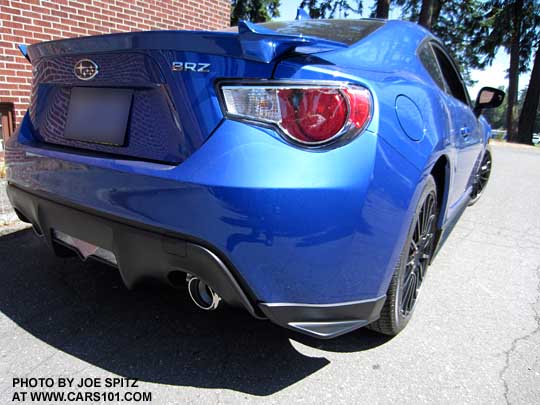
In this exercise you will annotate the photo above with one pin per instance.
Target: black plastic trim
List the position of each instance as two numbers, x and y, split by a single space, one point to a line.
140 253
324 321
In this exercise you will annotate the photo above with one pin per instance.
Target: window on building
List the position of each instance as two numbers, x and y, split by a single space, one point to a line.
7 122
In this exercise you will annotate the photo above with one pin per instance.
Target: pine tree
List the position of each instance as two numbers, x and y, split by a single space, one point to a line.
456 22
512 25
254 10
382 9
529 116
332 8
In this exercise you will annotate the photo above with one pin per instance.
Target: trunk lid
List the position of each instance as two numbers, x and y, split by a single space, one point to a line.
165 81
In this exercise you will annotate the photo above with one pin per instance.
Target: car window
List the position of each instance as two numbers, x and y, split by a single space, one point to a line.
428 59
451 76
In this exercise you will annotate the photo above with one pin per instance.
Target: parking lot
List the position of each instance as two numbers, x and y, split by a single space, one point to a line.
475 336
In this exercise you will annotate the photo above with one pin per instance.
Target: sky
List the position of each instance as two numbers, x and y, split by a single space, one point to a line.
494 75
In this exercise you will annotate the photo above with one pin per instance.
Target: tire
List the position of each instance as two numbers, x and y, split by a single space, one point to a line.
481 177
411 268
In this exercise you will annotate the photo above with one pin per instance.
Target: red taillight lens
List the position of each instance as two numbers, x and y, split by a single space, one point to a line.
360 104
309 115
312 115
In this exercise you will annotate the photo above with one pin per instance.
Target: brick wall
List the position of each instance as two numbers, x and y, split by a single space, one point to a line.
30 21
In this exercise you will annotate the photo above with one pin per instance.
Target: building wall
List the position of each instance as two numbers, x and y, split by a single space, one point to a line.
30 21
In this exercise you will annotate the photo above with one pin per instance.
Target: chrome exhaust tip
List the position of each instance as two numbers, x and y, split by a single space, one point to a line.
202 294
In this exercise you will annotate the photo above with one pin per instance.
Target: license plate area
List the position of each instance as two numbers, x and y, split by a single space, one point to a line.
98 115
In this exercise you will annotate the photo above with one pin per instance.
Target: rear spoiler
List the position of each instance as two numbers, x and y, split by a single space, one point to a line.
252 42
264 45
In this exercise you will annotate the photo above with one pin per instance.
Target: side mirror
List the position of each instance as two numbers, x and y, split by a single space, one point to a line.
488 97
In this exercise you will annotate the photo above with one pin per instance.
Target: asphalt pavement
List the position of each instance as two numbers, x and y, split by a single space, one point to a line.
474 338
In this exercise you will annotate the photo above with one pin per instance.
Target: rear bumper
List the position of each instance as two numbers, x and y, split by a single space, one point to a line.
314 236
299 226
143 253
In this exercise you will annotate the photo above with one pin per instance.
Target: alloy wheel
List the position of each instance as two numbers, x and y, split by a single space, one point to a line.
482 177
420 251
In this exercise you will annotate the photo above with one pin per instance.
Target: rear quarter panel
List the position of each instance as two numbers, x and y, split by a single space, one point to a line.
401 165
427 147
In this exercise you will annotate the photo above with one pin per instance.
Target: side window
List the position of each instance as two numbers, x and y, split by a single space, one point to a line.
428 59
451 76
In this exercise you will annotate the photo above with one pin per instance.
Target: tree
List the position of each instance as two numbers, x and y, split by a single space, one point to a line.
512 24
529 112
382 9
329 8
513 71
429 13
254 10
455 22
425 12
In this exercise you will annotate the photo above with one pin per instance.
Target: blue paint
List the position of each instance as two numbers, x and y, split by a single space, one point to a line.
299 225
409 118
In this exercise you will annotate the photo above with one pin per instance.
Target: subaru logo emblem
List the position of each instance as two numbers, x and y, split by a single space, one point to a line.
86 69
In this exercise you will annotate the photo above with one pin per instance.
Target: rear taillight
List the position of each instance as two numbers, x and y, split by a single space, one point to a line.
309 115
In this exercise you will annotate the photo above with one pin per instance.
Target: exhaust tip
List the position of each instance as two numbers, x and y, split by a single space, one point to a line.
202 294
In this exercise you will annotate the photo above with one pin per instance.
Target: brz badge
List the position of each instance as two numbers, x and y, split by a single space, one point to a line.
86 69
190 67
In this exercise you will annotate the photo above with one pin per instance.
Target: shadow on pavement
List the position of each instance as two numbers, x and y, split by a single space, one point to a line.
154 334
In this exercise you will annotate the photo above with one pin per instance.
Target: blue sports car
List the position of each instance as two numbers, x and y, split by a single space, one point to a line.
306 171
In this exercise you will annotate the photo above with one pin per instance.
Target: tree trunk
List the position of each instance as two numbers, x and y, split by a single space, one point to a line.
513 73
436 11
426 12
383 9
530 105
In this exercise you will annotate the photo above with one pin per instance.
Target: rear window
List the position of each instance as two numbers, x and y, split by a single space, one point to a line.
339 30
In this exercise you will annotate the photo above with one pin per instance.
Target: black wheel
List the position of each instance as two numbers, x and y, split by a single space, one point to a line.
481 177
411 269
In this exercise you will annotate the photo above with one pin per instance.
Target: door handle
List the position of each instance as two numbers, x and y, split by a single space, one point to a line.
465 131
